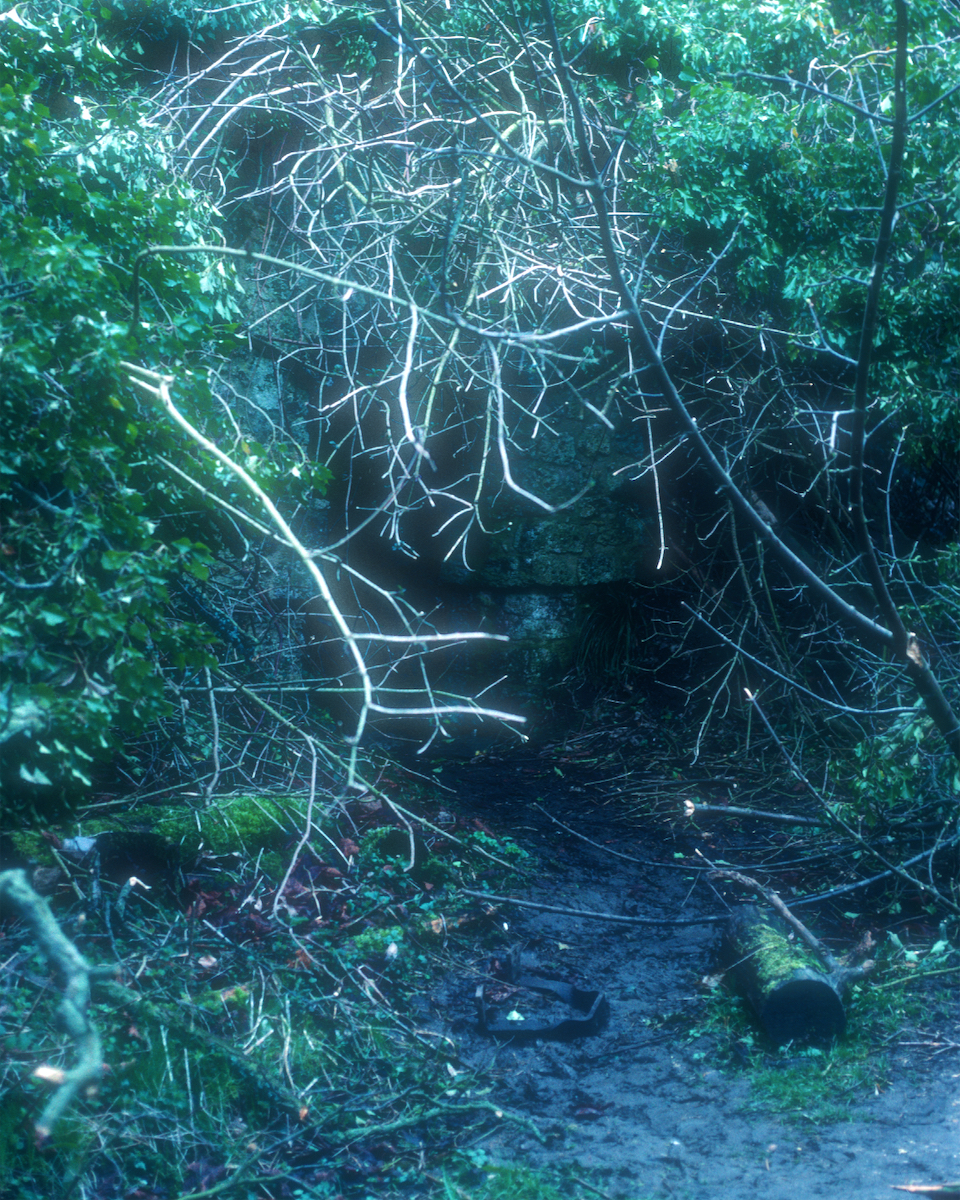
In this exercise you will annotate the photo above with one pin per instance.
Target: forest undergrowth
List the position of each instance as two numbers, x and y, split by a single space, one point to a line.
285 1043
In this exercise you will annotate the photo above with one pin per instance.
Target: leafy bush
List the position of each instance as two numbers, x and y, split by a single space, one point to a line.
92 526
158 20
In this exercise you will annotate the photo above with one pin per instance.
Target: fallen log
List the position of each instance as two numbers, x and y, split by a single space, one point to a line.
793 999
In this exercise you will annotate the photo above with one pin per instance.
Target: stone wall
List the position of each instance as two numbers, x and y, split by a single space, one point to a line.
532 574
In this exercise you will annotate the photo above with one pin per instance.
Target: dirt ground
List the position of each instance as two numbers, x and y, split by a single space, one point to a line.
656 1104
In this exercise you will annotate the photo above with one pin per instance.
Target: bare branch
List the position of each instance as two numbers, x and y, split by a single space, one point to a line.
75 973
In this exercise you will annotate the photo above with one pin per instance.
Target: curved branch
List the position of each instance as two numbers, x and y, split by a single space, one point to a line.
251 256
905 644
859 621
159 386
75 973
821 93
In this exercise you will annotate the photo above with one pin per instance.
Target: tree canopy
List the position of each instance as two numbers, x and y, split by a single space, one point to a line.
451 214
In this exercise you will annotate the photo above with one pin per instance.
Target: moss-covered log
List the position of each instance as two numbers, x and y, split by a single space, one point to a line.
792 997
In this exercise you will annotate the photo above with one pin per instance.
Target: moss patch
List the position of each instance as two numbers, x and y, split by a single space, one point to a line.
257 827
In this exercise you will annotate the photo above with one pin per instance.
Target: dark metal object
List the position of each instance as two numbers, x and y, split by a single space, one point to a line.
589 1010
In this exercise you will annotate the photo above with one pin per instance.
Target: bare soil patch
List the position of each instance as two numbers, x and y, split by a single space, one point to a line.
662 1102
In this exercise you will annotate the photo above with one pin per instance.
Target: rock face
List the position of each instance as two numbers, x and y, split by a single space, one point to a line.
600 539
521 570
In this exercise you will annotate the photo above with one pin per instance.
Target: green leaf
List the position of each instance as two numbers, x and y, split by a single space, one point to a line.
34 775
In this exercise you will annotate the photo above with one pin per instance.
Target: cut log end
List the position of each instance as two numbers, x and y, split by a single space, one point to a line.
803 1009
793 1000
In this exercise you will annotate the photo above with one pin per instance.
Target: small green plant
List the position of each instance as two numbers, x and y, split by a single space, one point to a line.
382 943
504 848
475 1177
